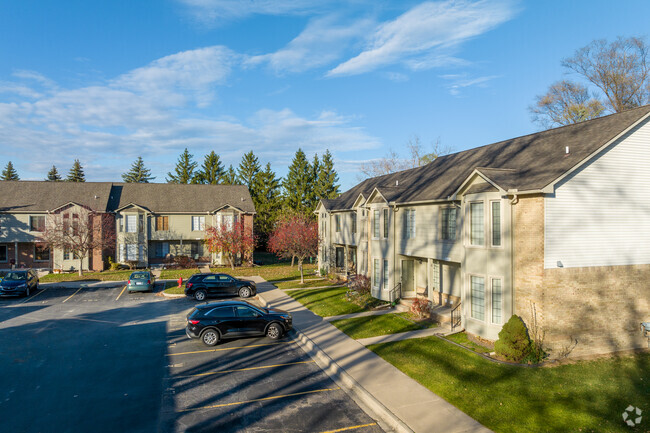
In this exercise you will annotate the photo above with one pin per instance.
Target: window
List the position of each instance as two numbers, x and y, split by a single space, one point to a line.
131 252
198 223
385 223
141 223
435 276
375 279
409 224
221 312
131 222
448 224
41 253
477 226
162 223
337 220
162 249
3 253
228 220
385 273
66 254
122 251
194 249
496 224
497 306
246 312
37 223
75 224
375 224
477 287
354 222
66 222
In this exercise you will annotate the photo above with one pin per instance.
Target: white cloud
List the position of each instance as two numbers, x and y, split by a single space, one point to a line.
461 81
224 10
426 35
322 42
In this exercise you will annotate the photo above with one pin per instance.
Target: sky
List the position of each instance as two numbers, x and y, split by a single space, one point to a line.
106 81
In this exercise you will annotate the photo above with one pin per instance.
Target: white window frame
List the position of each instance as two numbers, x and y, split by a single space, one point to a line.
44 223
122 253
409 223
482 224
492 231
375 224
386 274
354 223
131 252
198 223
375 273
445 219
128 227
471 298
337 222
385 214
492 299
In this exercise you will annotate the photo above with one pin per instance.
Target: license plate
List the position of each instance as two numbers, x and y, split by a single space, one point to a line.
138 283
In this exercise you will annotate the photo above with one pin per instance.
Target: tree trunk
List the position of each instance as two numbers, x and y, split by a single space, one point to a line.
292 259
231 259
302 277
81 266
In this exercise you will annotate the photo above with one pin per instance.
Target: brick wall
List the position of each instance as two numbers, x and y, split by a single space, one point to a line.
589 310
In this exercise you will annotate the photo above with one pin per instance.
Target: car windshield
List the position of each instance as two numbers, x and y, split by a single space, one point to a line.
140 276
16 276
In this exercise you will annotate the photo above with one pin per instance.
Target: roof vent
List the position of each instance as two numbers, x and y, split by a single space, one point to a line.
397 183
566 150
96 197
243 199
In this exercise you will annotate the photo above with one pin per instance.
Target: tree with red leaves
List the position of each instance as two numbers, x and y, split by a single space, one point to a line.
234 241
79 230
295 236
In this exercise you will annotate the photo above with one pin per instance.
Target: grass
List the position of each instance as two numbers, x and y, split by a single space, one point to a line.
373 326
331 302
308 283
171 288
584 396
87 276
462 339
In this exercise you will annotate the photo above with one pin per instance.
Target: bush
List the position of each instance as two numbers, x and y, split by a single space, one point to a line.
420 308
184 262
360 284
514 343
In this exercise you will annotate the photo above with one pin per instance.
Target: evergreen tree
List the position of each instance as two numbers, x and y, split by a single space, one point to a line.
248 169
269 203
138 173
9 173
184 170
211 171
53 175
298 185
76 173
327 178
312 199
230 177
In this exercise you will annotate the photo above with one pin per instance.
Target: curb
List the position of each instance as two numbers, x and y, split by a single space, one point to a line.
345 381
171 295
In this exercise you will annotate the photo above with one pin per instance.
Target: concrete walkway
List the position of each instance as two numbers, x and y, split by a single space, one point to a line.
399 402
418 333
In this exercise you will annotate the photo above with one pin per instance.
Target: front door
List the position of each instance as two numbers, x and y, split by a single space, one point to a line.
408 279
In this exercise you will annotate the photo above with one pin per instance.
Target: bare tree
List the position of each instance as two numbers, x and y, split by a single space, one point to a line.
565 103
78 231
392 162
619 69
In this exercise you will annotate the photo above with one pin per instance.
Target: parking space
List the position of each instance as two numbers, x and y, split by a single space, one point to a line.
93 357
256 385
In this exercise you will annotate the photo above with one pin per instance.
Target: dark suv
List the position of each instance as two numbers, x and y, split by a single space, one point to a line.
229 319
202 285
19 283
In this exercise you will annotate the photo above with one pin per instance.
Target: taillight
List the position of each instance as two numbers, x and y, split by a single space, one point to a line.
148 281
189 285
128 281
194 322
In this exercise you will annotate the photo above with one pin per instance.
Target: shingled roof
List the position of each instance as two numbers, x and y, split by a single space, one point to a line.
41 196
526 163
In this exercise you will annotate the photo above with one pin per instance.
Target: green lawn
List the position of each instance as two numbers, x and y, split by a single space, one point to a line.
372 326
308 283
87 276
171 287
462 339
585 396
330 302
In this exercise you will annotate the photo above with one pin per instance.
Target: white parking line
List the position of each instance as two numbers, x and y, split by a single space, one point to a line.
32 297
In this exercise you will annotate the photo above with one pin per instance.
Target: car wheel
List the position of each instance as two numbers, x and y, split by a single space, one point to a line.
244 292
274 331
210 337
199 295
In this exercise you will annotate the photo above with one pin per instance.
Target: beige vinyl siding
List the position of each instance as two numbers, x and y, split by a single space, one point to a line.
600 214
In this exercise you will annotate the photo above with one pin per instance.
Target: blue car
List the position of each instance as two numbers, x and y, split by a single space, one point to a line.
19 283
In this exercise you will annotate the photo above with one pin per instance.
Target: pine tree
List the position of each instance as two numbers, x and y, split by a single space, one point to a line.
230 177
248 169
53 175
269 203
184 170
9 173
211 171
76 173
297 185
138 173
326 181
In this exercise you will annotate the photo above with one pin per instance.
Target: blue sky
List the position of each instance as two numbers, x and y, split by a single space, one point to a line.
108 80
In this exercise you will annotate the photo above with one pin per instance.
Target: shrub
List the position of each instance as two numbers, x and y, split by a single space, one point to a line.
514 343
420 307
184 262
360 284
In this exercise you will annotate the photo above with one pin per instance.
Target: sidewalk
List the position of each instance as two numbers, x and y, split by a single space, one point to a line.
398 401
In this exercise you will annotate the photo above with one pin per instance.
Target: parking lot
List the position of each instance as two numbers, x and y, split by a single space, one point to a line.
97 358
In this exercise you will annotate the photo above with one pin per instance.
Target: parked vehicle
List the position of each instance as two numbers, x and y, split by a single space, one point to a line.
141 281
19 283
231 319
203 285
3 273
